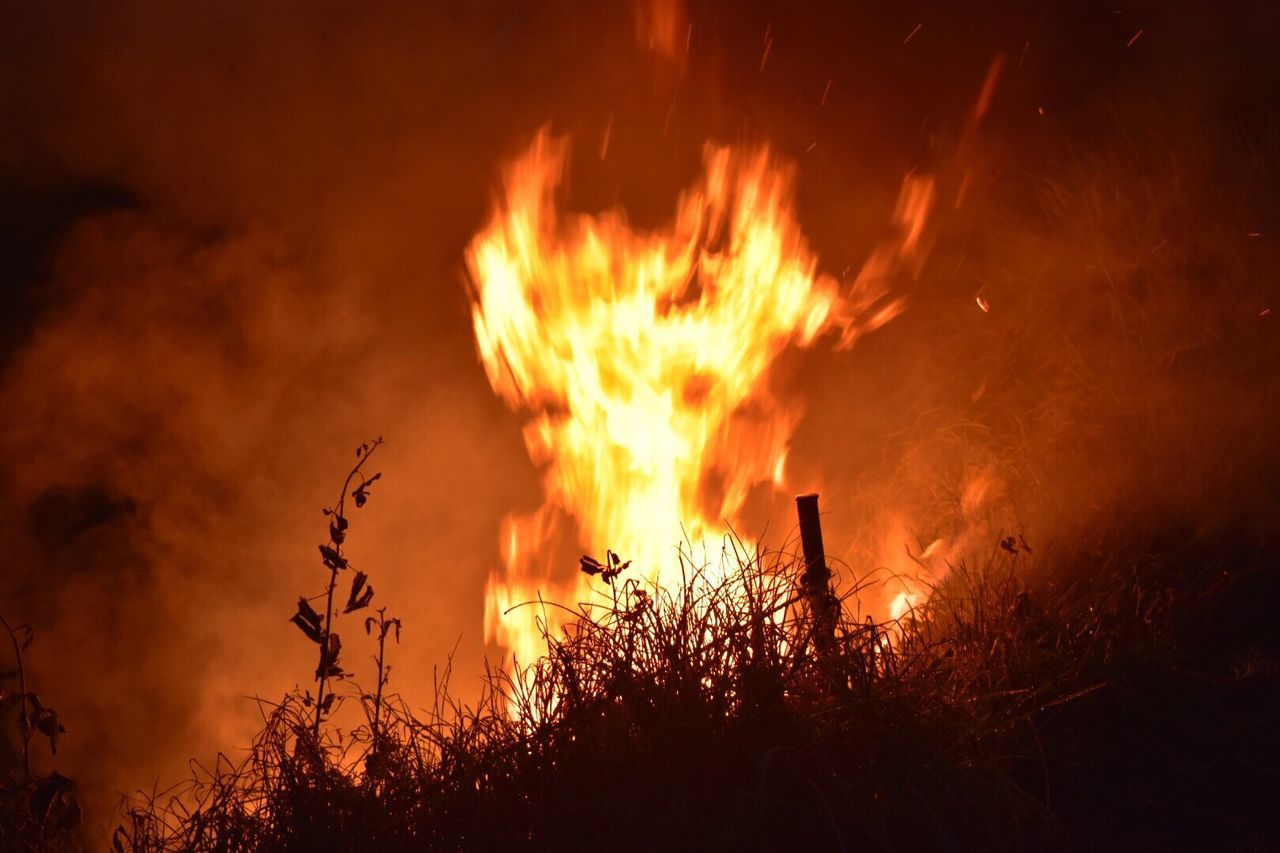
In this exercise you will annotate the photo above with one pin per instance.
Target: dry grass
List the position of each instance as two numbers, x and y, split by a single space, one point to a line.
1113 691
1014 711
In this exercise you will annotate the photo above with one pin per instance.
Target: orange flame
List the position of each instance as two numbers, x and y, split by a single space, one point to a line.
643 360
915 569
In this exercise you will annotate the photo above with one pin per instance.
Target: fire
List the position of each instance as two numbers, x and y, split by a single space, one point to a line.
914 569
643 360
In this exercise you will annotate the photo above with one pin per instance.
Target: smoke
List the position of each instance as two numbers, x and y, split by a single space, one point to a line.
1091 350
235 253
275 282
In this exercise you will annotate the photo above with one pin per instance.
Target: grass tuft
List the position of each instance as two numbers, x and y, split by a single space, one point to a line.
1037 701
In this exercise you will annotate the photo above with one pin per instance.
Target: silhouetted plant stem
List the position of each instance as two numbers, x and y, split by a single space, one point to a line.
328 656
377 699
24 718
384 627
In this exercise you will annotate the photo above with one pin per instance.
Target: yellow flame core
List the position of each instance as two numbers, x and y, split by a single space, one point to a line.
643 359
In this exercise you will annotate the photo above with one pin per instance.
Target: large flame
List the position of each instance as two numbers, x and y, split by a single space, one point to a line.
643 359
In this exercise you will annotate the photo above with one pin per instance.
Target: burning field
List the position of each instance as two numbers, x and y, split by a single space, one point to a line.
830 428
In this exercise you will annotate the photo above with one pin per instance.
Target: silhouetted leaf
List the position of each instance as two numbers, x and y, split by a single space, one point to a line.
308 612
608 570
361 492
312 634
46 721
308 620
360 594
332 559
338 529
25 635
329 658
363 601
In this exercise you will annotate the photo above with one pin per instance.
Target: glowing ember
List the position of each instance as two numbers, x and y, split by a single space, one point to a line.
643 360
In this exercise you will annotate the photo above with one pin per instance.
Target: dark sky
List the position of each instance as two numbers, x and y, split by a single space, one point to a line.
231 243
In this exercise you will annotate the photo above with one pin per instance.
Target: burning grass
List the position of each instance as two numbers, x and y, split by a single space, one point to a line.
1115 690
1076 698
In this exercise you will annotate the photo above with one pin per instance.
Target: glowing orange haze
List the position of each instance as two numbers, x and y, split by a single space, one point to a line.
644 358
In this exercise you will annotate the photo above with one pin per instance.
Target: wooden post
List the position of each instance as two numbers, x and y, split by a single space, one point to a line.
816 581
